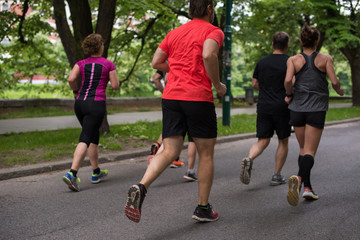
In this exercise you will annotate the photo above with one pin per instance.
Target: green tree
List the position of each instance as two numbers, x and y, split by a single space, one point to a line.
337 21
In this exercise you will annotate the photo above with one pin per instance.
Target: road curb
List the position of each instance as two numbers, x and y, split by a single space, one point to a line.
23 171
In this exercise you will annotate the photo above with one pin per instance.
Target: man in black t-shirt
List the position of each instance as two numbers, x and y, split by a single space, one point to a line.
272 110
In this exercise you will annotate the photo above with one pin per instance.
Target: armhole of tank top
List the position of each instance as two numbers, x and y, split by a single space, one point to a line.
313 63
304 66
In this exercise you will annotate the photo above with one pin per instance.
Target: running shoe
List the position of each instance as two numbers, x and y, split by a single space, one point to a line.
190 176
71 181
309 194
205 214
154 148
294 190
135 199
245 172
177 163
96 178
277 179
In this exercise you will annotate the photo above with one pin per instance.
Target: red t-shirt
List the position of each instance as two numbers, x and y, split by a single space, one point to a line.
187 78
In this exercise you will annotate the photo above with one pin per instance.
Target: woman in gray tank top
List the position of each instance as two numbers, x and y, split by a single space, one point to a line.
308 97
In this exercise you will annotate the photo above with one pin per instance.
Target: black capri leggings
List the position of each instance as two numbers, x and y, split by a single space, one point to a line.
90 115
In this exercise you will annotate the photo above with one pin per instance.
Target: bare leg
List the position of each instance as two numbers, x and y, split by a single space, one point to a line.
281 154
258 147
159 141
191 155
312 140
172 149
205 148
79 155
93 155
300 136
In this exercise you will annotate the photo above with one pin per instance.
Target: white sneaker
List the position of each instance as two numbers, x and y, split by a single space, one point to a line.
309 194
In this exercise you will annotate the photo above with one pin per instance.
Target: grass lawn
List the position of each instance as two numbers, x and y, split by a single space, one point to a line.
36 147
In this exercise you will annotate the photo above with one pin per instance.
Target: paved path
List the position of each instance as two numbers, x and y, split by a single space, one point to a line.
41 207
53 123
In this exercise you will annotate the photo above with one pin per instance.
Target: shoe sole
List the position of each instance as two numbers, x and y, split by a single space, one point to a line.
310 197
204 219
132 210
244 172
67 181
273 183
190 179
175 166
293 191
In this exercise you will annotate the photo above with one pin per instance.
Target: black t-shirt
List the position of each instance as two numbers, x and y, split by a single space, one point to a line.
270 71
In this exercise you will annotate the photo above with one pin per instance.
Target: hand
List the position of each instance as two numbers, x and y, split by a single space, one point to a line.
288 99
220 89
340 91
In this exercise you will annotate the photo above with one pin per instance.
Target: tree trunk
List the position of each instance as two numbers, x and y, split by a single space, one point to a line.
355 79
353 56
104 27
72 48
105 127
105 22
82 26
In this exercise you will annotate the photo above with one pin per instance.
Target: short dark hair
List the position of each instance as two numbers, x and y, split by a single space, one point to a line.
92 43
309 36
280 40
198 8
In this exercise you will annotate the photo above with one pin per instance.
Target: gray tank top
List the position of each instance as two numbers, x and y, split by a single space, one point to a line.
310 91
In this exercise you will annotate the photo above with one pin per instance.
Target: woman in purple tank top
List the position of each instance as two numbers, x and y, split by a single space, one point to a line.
90 106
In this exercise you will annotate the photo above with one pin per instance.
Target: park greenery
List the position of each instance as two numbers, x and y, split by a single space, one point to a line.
35 147
133 29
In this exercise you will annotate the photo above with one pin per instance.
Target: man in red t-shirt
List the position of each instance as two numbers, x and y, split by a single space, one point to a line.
187 103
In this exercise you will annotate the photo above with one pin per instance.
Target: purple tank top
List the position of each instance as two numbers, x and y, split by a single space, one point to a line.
95 77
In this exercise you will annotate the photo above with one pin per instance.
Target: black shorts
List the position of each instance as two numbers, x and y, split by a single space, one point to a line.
266 124
196 118
90 115
314 119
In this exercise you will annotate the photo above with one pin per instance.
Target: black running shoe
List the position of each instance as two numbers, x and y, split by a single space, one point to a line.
205 214
154 148
135 199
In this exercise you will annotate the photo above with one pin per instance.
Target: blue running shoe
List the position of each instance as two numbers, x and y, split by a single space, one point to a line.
96 178
71 181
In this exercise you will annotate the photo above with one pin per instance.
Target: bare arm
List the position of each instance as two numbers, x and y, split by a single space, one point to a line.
114 81
210 58
74 74
255 83
157 81
159 60
289 79
331 73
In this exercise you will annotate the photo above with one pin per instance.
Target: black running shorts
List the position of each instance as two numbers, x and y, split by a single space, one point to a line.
90 115
314 119
266 124
196 118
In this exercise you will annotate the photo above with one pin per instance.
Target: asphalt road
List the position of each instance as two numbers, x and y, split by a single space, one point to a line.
41 206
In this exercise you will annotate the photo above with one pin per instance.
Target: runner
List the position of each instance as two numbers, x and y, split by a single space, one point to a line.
308 98
155 147
90 106
188 104
272 110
